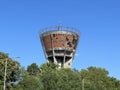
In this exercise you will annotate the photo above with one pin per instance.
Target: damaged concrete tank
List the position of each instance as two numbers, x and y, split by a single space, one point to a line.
59 44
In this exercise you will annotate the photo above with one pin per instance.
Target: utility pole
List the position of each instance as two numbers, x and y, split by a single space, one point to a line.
5 74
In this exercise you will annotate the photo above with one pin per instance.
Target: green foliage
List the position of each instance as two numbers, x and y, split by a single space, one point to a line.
49 77
33 69
98 79
12 69
59 79
29 83
47 66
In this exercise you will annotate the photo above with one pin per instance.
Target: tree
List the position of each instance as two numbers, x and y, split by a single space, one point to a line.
59 79
98 79
48 66
12 73
33 69
52 78
29 83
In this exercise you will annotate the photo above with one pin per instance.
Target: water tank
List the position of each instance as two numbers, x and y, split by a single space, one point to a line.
59 44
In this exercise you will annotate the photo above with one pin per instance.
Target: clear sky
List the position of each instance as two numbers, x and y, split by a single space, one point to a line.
98 21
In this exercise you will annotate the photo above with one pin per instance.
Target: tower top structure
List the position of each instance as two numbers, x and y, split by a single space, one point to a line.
59 44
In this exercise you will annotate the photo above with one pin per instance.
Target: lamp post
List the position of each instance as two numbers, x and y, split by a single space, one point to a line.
83 80
5 73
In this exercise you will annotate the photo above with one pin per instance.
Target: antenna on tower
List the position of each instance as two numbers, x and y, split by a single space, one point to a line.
59 26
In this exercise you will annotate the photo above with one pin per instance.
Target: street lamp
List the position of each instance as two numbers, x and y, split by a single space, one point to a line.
83 81
5 73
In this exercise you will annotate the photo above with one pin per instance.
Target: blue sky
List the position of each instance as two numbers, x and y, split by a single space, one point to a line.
98 21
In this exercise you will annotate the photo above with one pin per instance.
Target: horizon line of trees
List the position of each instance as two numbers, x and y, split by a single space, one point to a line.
48 77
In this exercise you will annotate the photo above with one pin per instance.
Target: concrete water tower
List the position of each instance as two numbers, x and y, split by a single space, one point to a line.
59 44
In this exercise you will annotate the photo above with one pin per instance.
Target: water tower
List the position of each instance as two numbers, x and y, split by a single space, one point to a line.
59 44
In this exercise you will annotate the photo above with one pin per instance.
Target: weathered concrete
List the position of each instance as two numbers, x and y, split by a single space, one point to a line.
60 47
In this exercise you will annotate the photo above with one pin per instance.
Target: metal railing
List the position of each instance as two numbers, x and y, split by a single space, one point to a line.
59 28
